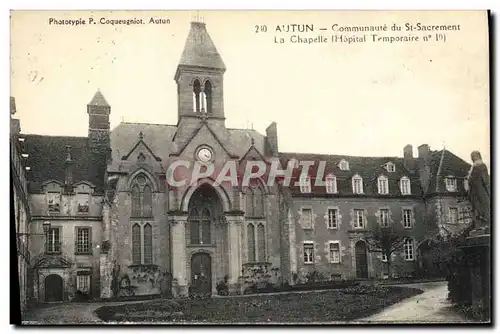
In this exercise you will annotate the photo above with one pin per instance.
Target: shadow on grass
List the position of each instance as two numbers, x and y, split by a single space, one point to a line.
312 307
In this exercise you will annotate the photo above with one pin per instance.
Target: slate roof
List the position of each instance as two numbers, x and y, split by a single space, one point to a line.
99 100
444 164
46 159
158 137
370 168
200 50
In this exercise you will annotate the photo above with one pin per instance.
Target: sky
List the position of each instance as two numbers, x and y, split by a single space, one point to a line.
368 99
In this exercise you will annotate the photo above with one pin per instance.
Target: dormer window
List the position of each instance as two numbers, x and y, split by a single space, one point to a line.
405 186
305 184
383 185
343 165
390 167
331 184
357 184
451 183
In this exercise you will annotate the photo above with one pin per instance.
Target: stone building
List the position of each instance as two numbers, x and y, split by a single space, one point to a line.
119 228
19 205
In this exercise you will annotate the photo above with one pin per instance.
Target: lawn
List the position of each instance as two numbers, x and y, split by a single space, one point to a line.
325 306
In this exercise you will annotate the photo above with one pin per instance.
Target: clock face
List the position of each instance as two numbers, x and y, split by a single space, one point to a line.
205 154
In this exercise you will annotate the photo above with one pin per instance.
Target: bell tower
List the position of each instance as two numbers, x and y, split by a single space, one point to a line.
199 77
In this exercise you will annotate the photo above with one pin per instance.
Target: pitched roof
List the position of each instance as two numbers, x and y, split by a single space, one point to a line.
369 168
47 155
158 138
99 100
200 50
443 164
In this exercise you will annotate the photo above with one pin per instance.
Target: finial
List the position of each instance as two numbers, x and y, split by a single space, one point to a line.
141 135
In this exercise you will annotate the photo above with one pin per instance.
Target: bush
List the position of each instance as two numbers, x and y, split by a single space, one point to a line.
222 287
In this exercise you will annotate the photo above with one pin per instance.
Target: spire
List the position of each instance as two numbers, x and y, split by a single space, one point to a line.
200 50
99 100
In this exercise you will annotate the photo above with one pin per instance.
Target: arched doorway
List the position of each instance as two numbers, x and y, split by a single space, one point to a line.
361 260
201 273
53 288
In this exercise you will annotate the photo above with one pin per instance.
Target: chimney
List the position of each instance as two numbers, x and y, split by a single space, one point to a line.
68 169
409 162
424 168
272 138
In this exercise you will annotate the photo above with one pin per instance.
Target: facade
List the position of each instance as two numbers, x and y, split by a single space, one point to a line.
118 228
20 206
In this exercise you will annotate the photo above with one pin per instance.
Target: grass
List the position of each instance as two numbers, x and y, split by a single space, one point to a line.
310 307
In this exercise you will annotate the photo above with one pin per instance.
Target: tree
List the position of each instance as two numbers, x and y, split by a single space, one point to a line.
385 240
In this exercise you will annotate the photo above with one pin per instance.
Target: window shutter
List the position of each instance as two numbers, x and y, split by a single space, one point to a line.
76 240
91 249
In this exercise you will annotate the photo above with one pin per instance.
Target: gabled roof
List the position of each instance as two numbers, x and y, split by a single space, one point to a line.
141 141
369 168
47 155
443 164
202 124
200 50
99 100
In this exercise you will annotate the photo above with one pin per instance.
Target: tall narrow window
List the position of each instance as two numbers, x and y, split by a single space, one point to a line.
334 252
208 96
197 96
331 184
53 241
148 244
147 202
384 217
83 242
205 227
408 249
249 202
308 252
332 218
261 235
359 216
305 184
142 197
357 184
405 186
194 226
407 218
251 242
258 202
383 185
136 244
136 201
83 282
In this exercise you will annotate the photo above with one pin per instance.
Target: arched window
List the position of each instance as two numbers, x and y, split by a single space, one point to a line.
148 244
200 226
249 202
261 235
142 197
254 202
208 96
331 184
251 242
258 202
136 244
196 96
